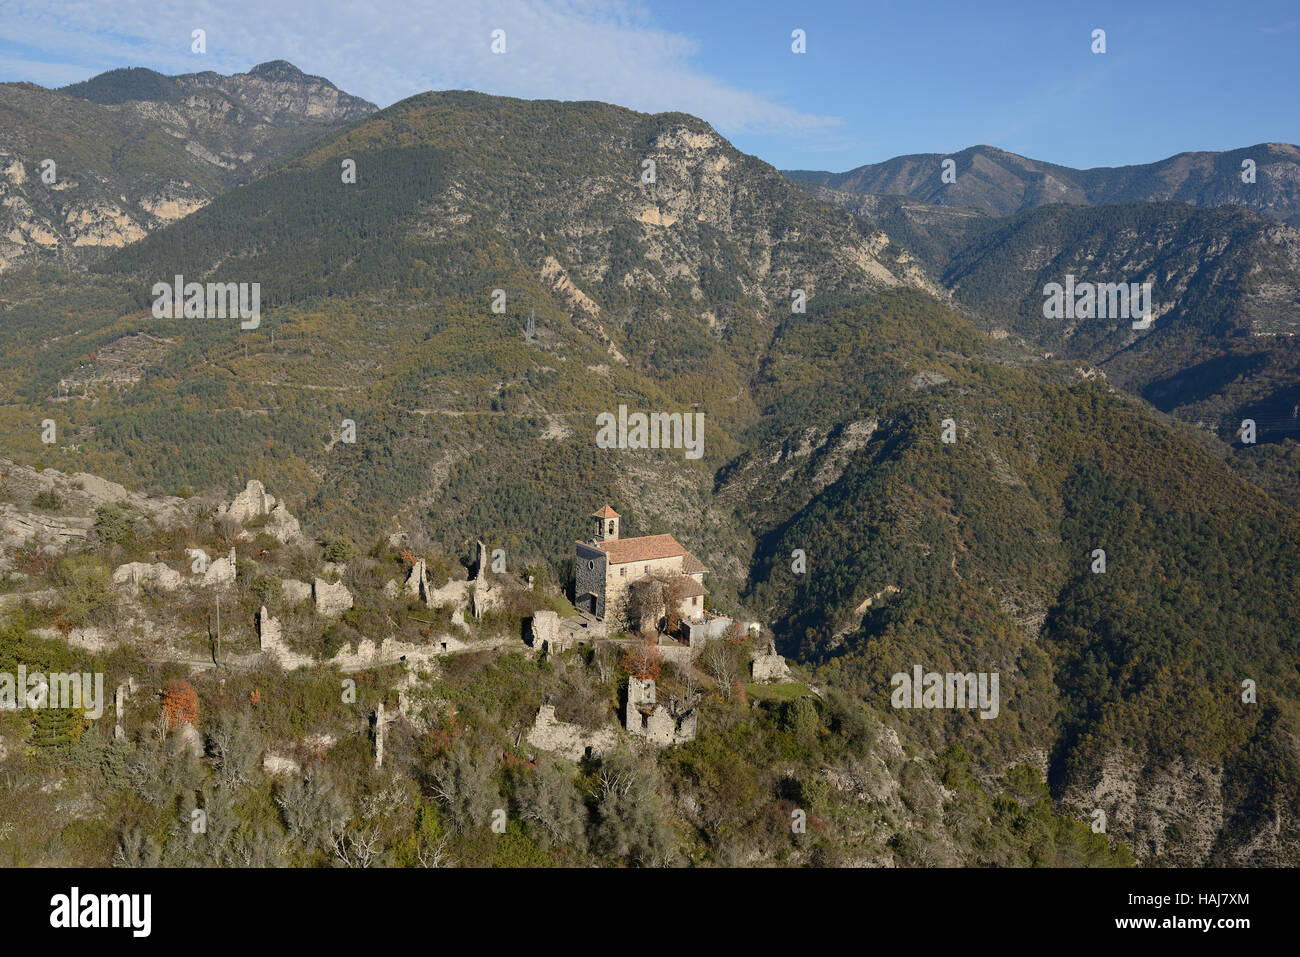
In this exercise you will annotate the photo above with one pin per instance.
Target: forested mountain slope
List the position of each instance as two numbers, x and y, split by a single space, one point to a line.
825 428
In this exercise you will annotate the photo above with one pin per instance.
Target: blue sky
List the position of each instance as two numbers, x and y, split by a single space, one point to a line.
879 78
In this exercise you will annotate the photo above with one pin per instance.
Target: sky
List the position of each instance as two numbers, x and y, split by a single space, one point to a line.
879 78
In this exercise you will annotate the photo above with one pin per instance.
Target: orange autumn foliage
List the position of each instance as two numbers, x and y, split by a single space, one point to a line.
180 703
643 660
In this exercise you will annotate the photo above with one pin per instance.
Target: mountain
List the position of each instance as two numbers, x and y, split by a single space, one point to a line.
1225 284
275 93
948 488
133 149
999 183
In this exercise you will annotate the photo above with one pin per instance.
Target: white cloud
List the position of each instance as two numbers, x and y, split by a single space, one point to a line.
556 49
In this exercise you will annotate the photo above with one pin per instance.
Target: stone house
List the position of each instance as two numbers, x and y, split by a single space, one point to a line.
606 567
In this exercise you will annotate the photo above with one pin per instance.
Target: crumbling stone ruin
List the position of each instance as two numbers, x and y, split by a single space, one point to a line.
483 594
120 697
662 724
546 631
271 643
549 733
381 722
417 583
332 598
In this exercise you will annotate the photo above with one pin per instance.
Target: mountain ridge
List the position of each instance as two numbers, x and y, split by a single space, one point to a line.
999 182
133 149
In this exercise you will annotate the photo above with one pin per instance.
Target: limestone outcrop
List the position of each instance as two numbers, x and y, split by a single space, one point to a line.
255 503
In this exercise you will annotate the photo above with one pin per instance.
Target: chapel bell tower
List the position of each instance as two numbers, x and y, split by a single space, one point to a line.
606 525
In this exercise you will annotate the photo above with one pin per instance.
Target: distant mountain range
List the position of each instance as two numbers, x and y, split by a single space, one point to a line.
999 183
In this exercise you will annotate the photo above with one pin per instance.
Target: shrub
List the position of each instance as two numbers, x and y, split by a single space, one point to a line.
340 549
112 525
85 587
47 500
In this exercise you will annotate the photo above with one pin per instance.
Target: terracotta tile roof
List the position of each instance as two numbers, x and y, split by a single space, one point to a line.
605 512
691 588
644 549
692 565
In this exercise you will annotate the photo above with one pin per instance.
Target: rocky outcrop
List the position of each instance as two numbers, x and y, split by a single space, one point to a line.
769 667
254 504
277 765
80 495
205 131
283 527
49 532
1175 814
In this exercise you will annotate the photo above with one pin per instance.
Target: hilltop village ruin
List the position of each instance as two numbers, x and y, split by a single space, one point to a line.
637 598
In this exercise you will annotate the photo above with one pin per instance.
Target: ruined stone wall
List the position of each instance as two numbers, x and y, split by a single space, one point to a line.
658 723
545 629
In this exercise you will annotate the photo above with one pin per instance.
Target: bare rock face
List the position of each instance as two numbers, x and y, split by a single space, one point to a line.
81 494
332 598
191 739
277 765
50 532
205 131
